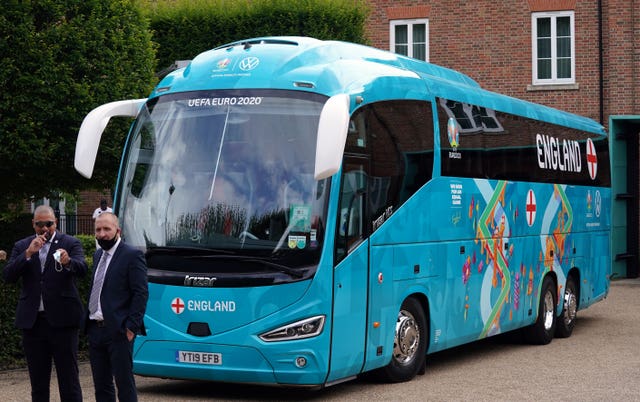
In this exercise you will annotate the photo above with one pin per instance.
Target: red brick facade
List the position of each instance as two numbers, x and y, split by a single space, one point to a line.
491 42
90 200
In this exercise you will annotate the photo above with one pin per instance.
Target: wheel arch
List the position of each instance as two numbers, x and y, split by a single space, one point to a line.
417 305
543 328
575 274
568 303
552 274
554 277
423 300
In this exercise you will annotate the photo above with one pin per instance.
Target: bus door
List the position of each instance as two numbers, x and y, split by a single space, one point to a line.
350 272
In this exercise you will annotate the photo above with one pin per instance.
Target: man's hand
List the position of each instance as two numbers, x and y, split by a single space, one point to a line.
35 246
64 256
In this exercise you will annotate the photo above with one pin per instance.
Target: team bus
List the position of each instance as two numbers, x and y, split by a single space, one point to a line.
314 210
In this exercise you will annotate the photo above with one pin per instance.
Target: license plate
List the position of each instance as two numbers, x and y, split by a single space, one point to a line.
187 356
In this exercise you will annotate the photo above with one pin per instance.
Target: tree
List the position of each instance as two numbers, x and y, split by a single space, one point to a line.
60 59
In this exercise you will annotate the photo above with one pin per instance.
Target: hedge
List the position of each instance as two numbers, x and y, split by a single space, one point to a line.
11 355
61 59
181 29
184 28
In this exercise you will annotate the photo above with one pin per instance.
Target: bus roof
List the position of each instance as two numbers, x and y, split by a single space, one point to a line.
334 67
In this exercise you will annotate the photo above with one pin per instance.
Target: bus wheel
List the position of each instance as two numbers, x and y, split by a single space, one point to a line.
409 344
542 331
567 320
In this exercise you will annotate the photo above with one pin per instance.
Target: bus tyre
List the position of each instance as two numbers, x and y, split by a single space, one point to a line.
542 331
409 344
567 320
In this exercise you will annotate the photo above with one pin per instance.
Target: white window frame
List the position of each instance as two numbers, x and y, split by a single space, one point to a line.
554 56
409 23
467 109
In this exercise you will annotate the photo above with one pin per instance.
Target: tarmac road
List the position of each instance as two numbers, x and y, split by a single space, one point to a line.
599 362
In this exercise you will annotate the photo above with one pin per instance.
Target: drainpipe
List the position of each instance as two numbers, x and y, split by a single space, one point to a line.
600 62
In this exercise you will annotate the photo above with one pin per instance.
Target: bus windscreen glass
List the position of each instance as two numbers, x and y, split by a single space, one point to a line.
225 176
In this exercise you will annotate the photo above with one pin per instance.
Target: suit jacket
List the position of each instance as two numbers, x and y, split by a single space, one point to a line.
124 292
55 283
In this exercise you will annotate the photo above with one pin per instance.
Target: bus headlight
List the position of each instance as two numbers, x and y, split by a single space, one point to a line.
298 330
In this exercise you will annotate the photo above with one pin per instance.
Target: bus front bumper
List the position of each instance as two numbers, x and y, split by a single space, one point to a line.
226 363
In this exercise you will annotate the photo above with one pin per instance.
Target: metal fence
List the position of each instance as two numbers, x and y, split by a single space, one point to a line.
76 224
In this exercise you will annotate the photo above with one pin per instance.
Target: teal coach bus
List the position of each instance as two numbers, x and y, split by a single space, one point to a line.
314 210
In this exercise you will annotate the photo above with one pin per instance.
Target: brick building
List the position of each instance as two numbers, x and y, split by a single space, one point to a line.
74 217
493 43
582 56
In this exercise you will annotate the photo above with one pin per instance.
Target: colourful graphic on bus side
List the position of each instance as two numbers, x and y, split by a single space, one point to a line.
493 231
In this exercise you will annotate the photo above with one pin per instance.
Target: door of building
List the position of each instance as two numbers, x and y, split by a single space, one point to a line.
625 183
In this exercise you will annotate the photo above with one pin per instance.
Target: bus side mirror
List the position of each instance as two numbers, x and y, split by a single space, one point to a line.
91 130
332 136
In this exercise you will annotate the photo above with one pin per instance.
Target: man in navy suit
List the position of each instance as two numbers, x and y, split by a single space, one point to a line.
117 302
49 311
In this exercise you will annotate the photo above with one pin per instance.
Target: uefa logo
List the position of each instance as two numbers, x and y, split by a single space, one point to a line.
223 63
453 132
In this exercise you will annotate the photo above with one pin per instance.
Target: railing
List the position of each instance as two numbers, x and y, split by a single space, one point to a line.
76 224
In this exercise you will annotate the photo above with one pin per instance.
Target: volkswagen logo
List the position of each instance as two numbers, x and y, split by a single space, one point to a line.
249 63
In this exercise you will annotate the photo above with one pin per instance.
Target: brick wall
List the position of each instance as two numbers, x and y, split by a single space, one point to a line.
90 200
491 42
622 56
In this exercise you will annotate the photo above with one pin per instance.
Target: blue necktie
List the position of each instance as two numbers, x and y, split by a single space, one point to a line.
94 299
43 255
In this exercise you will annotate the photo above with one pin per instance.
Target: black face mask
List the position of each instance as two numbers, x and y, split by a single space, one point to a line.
107 244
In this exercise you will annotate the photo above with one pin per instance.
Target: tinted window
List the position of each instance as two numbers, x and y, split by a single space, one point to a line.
483 143
397 136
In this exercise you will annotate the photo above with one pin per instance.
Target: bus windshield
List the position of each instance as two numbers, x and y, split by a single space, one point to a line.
225 176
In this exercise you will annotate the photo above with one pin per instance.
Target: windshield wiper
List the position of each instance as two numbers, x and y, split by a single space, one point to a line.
189 251
270 264
277 267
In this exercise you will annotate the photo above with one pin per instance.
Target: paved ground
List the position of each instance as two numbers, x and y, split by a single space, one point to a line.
600 362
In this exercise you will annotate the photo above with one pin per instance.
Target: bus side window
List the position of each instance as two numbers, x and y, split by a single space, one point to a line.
144 161
351 227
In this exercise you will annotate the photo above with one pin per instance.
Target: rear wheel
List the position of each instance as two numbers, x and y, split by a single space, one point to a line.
567 320
409 345
542 331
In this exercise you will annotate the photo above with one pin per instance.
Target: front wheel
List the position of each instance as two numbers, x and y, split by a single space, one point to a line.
567 320
541 332
409 345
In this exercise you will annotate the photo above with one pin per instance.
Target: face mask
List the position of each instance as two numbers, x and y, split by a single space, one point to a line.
106 244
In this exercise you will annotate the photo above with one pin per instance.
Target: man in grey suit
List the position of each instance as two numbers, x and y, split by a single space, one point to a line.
117 303
49 311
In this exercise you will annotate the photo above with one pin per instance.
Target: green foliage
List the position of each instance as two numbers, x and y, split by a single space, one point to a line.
11 352
17 228
184 28
88 246
11 355
60 59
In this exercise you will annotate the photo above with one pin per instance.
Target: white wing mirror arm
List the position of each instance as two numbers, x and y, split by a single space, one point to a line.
92 128
332 136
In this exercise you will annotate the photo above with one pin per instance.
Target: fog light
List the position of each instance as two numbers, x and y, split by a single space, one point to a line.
301 361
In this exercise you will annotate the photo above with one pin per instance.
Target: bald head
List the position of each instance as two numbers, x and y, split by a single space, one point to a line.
43 210
44 220
107 230
109 217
